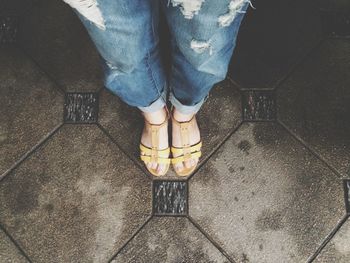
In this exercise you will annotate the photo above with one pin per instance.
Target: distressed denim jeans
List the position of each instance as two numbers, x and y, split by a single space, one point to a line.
126 34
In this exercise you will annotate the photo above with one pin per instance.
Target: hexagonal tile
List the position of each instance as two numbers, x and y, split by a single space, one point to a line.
54 37
220 114
273 37
30 106
265 198
337 249
314 103
165 240
8 251
76 199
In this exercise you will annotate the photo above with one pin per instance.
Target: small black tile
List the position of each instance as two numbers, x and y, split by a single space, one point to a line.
259 105
81 108
8 29
169 197
336 23
347 194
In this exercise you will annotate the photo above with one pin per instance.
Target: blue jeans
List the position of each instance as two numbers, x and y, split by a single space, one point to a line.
126 34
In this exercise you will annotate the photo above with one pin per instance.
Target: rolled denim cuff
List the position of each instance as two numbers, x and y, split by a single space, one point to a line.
156 105
185 109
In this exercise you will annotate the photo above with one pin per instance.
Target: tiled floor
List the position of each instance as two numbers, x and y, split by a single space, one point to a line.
273 184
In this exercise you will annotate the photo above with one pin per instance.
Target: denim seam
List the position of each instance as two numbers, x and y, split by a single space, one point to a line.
152 25
154 82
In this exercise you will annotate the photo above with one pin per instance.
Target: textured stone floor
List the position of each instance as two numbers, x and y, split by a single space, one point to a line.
273 184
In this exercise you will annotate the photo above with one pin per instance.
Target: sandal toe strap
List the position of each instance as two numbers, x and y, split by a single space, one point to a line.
183 158
181 150
186 153
154 155
158 160
148 151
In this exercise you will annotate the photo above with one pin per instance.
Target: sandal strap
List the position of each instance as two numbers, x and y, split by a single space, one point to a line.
153 154
148 151
182 158
193 148
146 158
188 151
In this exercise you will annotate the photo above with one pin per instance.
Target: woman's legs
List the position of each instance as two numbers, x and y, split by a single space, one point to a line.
126 35
203 39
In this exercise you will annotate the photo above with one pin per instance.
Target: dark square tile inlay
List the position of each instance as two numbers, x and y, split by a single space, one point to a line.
347 195
81 108
336 23
169 197
8 29
259 105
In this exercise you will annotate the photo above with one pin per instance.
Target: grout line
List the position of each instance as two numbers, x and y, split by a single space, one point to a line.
131 238
346 195
310 149
170 215
123 151
328 238
296 65
30 152
211 153
14 242
235 83
223 252
56 83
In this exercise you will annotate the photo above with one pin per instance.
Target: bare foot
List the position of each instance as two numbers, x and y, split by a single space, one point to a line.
157 117
194 138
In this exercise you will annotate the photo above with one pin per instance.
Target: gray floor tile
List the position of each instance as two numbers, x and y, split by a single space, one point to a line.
272 38
8 251
76 199
314 102
338 249
170 240
264 198
30 106
53 35
220 114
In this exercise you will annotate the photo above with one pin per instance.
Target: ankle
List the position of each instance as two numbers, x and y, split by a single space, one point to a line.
181 117
157 117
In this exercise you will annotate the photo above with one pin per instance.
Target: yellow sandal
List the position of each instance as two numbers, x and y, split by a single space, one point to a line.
187 151
153 154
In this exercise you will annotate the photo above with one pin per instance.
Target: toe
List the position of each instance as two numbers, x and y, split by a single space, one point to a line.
188 164
154 166
179 167
149 165
161 168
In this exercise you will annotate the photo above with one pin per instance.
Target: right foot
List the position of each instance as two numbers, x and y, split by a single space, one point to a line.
157 118
194 138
